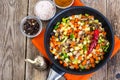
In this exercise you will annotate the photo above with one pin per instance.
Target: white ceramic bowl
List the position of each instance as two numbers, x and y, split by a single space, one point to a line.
24 20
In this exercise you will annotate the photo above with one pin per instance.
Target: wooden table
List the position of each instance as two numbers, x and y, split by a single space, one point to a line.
14 47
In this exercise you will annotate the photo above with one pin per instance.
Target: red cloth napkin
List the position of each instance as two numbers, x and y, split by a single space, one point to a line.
39 43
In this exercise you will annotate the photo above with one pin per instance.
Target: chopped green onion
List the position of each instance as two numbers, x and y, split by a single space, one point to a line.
96 21
64 20
75 61
82 67
84 48
55 27
65 55
58 23
87 15
72 36
105 48
64 39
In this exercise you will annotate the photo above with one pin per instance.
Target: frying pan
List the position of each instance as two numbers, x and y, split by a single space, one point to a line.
58 70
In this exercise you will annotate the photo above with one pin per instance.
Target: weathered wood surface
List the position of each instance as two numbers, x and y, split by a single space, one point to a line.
14 47
12 42
113 10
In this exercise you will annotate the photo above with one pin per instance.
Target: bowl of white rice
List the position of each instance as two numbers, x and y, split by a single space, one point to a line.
45 9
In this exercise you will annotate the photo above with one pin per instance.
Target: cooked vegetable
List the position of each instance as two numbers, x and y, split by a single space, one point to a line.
79 42
72 36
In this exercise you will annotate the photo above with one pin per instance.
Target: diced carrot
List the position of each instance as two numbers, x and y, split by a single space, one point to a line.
97 47
58 57
56 47
81 41
102 57
76 66
70 31
71 57
51 51
55 54
92 60
90 17
72 44
84 62
70 63
61 25
80 58
73 16
102 53
65 64
87 45
53 37
86 22
58 43
92 32
83 27
83 16
76 35
104 33
76 31
93 65
94 56
53 46
61 62
97 58
88 32
102 43
98 52
76 19
58 29
72 21
76 25
54 42
87 67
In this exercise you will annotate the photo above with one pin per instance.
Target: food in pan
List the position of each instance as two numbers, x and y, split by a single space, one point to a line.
79 42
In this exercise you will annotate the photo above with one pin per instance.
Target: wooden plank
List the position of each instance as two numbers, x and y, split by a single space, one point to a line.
12 42
113 10
101 7
32 52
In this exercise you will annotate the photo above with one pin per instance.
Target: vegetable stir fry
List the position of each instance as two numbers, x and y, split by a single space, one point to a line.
79 42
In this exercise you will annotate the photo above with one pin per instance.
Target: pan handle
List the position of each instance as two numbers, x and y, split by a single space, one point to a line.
55 73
